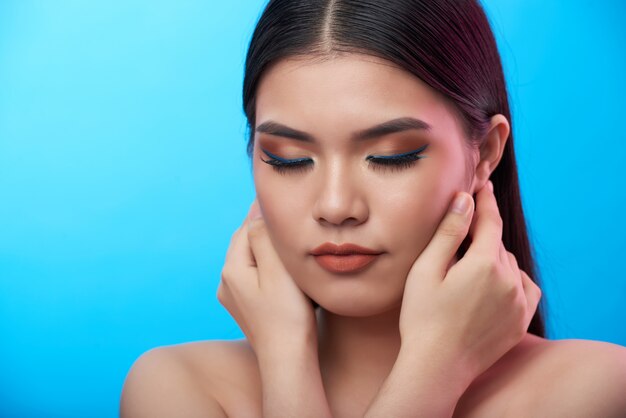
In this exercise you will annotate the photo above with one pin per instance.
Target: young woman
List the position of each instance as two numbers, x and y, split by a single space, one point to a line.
385 269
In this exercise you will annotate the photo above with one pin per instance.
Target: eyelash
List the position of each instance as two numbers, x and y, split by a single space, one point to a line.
394 162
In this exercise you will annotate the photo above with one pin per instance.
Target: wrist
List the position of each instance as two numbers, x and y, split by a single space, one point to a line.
291 380
286 350
443 367
423 383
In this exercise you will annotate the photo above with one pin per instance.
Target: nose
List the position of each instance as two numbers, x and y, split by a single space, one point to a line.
340 200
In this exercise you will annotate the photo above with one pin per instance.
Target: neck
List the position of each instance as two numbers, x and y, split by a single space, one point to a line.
358 346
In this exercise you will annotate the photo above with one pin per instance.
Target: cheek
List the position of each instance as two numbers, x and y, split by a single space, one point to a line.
414 218
421 211
279 200
284 224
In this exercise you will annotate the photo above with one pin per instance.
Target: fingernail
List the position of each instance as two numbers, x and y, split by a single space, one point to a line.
255 211
461 203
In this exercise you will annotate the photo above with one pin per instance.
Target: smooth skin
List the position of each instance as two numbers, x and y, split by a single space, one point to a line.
420 333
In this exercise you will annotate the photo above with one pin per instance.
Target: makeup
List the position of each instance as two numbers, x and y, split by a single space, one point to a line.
342 264
397 162
344 258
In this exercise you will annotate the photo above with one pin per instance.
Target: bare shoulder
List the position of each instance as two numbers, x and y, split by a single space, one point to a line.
203 378
551 378
573 378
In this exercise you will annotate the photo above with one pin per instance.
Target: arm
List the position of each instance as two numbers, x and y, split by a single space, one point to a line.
278 320
292 381
422 383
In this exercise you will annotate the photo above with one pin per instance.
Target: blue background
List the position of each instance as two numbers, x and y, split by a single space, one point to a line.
123 174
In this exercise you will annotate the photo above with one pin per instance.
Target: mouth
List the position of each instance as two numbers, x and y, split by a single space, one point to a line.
344 258
351 263
343 249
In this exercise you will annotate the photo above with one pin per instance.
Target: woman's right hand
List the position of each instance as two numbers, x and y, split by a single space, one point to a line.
259 293
473 312
278 320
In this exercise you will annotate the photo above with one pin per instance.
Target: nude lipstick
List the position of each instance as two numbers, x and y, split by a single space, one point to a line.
344 258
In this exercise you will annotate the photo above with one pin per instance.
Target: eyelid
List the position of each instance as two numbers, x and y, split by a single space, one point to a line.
404 154
284 160
395 156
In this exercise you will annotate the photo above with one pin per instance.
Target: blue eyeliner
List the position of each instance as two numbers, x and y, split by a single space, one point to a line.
403 155
283 160
377 162
382 157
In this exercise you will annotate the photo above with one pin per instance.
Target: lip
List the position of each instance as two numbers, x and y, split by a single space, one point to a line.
345 263
344 258
343 249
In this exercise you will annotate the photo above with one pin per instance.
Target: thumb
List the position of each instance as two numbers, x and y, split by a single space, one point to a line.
265 257
449 235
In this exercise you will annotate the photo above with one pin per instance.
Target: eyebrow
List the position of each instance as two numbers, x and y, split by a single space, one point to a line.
391 126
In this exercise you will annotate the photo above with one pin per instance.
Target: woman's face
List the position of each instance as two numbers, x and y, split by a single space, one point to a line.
339 196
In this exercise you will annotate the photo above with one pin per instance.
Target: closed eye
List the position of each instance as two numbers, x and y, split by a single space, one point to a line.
283 165
397 161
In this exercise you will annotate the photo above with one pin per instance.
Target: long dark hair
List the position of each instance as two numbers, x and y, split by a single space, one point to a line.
448 44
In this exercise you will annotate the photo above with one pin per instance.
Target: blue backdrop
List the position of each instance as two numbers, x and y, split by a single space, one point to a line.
123 174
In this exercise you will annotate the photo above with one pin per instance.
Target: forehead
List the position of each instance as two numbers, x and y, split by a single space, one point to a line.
337 96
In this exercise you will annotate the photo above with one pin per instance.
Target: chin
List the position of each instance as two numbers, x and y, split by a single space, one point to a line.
358 296
355 306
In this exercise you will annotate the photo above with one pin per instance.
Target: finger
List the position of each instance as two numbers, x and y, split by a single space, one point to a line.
233 237
449 235
504 256
533 294
512 260
240 262
231 297
239 253
487 231
227 299
268 263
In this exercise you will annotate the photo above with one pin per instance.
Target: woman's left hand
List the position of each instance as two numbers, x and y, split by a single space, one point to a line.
260 294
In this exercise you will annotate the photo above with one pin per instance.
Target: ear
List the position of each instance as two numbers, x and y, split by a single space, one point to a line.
491 150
